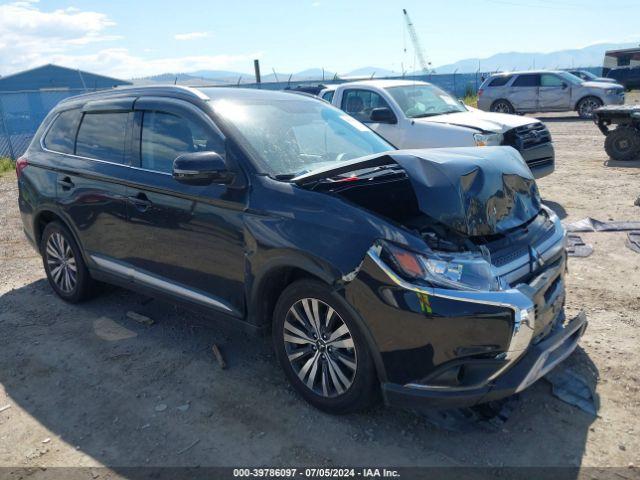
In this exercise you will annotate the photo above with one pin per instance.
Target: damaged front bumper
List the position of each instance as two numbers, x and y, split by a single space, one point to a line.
446 348
533 365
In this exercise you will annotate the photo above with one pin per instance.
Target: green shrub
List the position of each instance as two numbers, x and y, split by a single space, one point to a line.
6 165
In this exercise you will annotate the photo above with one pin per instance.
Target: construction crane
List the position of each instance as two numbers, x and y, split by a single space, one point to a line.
425 64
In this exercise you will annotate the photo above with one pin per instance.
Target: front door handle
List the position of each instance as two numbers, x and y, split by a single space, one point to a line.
140 201
66 183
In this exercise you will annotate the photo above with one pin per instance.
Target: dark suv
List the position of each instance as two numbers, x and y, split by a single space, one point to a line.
436 275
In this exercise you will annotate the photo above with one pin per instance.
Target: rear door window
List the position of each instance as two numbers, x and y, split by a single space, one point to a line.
166 136
102 136
528 80
62 134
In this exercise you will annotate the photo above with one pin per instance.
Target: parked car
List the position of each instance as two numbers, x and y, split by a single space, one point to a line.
628 77
412 114
587 76
546 91
435 275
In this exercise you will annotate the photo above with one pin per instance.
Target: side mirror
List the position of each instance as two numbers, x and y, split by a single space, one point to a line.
564 85
382 115
201 168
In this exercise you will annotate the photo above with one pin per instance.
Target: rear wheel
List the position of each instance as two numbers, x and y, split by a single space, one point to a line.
502 106
587 105
63 264
623 143
321 349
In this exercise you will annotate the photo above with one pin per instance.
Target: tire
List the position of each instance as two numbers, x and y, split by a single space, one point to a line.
336 376
623 143
64 265
587 105
502 106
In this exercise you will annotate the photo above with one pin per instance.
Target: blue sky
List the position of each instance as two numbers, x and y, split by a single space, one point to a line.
140 37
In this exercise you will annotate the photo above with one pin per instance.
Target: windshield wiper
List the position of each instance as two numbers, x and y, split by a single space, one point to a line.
433 114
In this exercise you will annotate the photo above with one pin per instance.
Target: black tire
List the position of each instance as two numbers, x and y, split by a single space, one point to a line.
324 392
587 105
623 143
58 242
502 106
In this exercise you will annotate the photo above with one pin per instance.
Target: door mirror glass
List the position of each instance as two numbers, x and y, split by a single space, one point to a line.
382 115
201 168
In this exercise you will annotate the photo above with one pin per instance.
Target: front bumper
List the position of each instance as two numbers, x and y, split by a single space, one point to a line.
540 159
443 347
533 365
614 99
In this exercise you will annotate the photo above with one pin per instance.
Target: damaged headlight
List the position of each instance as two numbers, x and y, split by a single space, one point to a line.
460 271
487 139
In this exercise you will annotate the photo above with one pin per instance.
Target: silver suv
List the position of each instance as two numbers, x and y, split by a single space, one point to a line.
546 91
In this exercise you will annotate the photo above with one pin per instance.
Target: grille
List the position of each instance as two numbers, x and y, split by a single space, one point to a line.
527 136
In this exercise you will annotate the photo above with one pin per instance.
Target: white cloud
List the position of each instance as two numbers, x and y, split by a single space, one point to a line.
119 62
191 35
30 37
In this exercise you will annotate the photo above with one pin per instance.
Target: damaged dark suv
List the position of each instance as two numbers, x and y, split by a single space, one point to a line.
433 276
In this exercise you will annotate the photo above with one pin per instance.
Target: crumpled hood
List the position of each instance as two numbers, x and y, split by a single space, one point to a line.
474 191
479 120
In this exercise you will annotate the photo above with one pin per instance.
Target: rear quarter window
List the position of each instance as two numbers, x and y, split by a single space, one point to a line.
102 136
62 134
499 81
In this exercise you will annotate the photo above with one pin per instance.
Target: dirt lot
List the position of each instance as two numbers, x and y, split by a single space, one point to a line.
87 386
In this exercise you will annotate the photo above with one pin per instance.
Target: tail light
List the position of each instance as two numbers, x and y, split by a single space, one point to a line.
21 164
480 93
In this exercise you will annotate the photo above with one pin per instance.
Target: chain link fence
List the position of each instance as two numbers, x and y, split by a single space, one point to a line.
21 112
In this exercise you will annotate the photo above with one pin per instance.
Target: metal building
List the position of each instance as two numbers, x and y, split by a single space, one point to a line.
26 97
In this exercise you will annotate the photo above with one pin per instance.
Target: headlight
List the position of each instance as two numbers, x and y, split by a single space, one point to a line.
487 139
461 271
612 91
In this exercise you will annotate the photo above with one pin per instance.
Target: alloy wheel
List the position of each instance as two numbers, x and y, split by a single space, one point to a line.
587 107
320 347
501 107
61 263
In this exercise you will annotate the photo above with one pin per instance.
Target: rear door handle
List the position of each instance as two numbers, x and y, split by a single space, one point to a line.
66 183
140 202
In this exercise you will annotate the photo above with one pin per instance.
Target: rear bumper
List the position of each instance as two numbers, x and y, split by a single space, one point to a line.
534 364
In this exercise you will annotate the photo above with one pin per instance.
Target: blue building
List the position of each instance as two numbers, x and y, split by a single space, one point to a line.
48 77
26 97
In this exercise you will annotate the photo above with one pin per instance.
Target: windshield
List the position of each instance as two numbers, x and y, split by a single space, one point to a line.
589 75
292 136
424 101
571 78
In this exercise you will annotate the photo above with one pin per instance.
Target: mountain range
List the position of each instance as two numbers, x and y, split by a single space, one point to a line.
591 56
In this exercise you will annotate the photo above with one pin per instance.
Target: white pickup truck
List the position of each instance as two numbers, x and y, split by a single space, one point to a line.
412 114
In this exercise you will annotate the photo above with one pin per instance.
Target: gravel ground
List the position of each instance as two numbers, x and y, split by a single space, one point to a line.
87 386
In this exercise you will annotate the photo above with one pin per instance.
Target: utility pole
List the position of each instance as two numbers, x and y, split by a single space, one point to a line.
256 67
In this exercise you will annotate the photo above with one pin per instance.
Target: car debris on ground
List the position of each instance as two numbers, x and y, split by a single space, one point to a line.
576 246
592 225
570 387
219 358
138 317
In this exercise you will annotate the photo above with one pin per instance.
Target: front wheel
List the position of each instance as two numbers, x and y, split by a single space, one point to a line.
587 105
623 143
321 348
